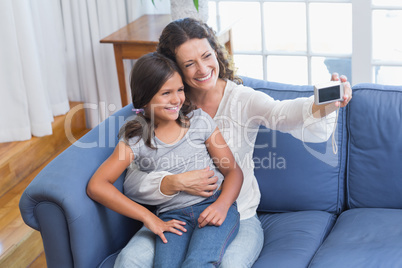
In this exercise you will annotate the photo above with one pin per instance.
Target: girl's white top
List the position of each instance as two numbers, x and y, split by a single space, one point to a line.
239 116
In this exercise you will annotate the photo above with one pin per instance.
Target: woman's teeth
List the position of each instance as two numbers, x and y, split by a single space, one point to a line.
204 78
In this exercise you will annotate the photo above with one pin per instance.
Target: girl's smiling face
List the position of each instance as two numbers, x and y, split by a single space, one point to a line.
165 105
197 60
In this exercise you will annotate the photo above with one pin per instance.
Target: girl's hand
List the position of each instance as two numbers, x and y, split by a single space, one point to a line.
158 227
215 214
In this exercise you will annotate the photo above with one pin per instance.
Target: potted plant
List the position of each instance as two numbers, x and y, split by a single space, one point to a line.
197 9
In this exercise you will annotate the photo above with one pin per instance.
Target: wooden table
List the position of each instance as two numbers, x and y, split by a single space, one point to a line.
141 37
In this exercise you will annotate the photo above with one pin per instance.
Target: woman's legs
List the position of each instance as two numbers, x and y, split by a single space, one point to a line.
242 252
139 252
247 245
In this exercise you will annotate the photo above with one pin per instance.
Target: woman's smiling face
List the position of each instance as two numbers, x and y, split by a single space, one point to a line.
197 59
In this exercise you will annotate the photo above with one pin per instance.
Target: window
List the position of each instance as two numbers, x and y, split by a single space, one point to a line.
387 41
304 41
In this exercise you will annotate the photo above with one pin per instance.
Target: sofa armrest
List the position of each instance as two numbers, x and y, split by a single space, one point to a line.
77 231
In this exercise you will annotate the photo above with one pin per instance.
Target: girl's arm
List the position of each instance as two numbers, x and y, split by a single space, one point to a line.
101 189
223 158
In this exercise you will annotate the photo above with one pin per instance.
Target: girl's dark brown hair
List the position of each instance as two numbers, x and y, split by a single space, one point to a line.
147 76
179 31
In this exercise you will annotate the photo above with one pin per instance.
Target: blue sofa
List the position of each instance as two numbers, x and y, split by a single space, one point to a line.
317 209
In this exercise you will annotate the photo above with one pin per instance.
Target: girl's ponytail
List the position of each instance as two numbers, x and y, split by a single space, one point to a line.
140 127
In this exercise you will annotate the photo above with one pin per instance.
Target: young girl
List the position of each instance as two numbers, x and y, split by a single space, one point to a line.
167 134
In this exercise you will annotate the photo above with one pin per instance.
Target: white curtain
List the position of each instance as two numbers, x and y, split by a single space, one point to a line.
50 54
29 96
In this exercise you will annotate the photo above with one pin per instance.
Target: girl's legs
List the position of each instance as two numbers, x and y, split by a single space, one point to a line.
208 244
247 245
242 252
198 247
139 252
173 253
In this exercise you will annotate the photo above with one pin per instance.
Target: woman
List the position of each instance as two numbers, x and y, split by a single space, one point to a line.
238 112
166 132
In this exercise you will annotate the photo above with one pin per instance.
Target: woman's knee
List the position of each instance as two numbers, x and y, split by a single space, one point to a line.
246 247
139 252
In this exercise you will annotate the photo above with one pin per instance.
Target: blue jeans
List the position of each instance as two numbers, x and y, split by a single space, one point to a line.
243 251
246 247
198 247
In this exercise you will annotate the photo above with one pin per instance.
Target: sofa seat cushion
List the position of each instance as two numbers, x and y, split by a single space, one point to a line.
363 237
109 261
292 238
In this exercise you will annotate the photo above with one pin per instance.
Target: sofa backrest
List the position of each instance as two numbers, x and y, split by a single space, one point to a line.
293 175
374 124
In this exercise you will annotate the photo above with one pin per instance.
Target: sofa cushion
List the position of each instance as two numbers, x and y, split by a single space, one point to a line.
109 261
291 239
374 125
363 237
312 177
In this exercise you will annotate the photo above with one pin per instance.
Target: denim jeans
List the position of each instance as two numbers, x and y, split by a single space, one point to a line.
198 247
247 246
242 252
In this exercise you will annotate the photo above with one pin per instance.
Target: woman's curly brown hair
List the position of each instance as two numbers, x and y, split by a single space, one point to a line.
179 31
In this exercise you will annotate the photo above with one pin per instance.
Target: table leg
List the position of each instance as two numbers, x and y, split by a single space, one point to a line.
120 74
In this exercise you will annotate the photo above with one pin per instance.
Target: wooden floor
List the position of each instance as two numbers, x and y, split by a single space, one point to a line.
20 162
40 261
